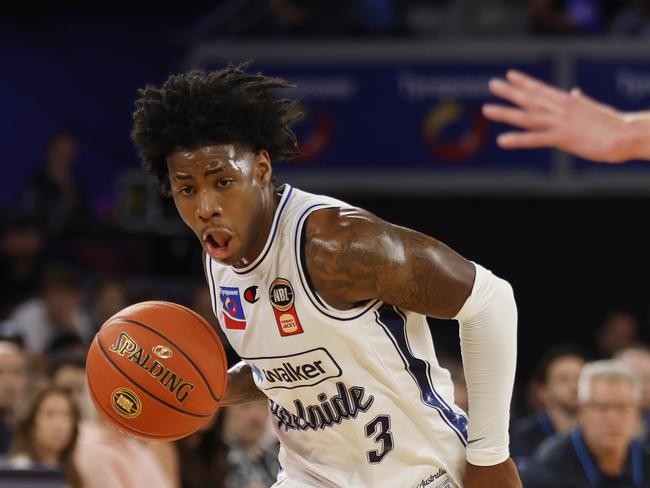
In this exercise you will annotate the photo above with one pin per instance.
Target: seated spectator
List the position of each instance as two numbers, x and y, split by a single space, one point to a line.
54 192
68 372
202 455
111 295
557 378
13 384
46 429
252 461
557 17
619 329
57 311
601 451
21 246
637 359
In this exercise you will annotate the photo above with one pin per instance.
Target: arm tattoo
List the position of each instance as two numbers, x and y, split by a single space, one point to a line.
355 256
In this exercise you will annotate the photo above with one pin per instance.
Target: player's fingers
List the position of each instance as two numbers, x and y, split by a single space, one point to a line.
515 116
526 140
536 87
505 90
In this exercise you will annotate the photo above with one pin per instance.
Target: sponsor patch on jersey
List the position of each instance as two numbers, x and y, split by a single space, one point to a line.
307 368
233 312
282 299
250 294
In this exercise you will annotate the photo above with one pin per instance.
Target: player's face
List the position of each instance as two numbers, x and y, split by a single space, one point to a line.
610 419
224 194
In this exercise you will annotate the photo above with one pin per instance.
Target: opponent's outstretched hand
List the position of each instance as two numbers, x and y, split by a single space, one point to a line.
502 475
552 117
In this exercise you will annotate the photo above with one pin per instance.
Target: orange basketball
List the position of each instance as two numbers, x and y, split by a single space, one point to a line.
156 370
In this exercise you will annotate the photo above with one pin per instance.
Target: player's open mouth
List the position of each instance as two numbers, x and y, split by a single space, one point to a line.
217 243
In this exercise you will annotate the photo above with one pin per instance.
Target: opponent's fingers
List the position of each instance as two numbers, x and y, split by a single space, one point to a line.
516 117
519 97
536 87
526 140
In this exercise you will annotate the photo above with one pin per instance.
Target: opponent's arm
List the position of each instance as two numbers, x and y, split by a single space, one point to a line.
353 256
570 121
241 387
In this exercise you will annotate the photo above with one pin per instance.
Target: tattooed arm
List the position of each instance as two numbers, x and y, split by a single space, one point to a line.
353 256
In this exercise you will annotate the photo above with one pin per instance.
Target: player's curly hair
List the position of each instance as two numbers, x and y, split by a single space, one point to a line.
196 109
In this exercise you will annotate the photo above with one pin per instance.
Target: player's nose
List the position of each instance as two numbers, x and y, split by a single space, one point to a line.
207 206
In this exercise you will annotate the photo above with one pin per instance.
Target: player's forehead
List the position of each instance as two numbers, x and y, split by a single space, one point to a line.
210 157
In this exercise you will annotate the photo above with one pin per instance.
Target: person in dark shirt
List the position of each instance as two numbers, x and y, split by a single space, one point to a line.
602 450
557 374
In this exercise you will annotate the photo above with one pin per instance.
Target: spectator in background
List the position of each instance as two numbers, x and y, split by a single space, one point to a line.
105 457
57 311
601 450
111 295
619 329
46 430
455 367
13 384
21 245
633 19
54 192
202 455
637 359
557 375
558 17
252 461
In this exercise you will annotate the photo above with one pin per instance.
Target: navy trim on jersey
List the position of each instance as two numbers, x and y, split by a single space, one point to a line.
286 194
304 275
393 322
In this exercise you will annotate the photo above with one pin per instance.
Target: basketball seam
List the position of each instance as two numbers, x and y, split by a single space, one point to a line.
198 370
101 348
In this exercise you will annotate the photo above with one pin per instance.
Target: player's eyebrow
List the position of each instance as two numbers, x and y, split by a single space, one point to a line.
208 172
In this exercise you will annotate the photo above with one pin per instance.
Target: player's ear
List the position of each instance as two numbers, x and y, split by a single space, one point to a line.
263 171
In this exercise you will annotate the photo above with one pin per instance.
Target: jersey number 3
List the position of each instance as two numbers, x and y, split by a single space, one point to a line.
379 429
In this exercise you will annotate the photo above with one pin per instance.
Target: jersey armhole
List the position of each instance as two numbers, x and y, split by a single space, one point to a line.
305 280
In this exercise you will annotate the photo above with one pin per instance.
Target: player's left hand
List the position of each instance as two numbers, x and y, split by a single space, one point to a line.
502 475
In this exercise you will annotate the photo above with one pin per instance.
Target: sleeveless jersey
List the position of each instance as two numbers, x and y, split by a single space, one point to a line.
357 397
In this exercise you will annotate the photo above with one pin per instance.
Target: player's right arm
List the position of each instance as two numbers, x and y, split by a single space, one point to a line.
569 121
241 387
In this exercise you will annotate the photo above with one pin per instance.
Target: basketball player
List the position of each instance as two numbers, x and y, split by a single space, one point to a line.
570 121
326 303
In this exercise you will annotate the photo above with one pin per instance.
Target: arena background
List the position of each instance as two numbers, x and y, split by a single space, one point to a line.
392 126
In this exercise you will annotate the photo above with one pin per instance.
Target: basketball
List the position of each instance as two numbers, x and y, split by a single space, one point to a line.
156 370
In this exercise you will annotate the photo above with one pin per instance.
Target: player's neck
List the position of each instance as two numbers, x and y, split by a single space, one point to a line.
270 205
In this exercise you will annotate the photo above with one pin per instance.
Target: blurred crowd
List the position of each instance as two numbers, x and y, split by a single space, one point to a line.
422 18
588 402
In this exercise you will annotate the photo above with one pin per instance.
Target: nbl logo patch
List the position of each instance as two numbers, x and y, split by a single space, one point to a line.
233 312
281 296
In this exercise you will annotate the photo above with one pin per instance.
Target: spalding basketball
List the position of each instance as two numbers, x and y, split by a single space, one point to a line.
156 370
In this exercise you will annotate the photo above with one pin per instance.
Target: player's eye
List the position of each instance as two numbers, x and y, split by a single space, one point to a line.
185 190
224 182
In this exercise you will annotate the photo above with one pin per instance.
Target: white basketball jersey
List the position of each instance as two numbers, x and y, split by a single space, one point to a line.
357 396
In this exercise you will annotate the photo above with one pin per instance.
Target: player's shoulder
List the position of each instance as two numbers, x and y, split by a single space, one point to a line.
343 223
